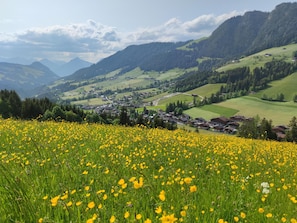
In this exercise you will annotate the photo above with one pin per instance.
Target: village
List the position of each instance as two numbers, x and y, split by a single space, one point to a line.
219 124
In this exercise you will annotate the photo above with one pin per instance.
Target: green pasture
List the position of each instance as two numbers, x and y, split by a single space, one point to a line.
278 112
287 86
206 90
90 102
182 97
259 59
210 111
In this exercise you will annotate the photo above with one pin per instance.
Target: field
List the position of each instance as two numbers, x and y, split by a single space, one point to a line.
210 111
278 112
66 172
287 86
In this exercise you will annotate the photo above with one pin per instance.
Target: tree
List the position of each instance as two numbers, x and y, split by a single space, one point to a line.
295 98
4 109
58 113
48 115
124 118
249 128
291 135
265 130
280 97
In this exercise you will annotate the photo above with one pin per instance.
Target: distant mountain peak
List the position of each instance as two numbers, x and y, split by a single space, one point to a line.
66 68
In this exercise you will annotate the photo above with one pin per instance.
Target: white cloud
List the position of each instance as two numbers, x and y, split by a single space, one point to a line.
93 41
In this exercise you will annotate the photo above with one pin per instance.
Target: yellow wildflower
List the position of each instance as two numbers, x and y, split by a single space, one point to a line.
91 204
168 218
162 195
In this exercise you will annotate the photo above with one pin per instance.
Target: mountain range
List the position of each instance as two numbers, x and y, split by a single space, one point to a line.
235 38
64 69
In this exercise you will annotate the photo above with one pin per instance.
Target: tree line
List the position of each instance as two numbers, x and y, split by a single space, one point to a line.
42 109
256 128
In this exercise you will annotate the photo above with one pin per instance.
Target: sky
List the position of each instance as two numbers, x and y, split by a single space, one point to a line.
95 29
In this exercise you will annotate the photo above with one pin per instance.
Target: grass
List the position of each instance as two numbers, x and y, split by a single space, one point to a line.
211 111
278 112
182 97
67 172
287 86
206 90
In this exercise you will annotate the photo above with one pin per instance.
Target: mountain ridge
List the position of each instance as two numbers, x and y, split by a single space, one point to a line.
24 78
236 37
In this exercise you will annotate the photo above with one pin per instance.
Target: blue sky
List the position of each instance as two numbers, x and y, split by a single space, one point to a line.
94 29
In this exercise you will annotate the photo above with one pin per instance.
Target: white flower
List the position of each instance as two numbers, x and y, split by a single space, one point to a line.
265 186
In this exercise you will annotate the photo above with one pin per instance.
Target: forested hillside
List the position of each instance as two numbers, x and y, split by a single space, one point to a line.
238 36
24 78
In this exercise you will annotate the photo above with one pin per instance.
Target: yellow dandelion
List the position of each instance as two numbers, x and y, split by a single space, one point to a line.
293 220
242 215
90 220
69 204
138 216
188 180
158 210
148 221
269 215
168 218
162 195
54 200
64 197
193 188
78 203
91 204
121 182
112 219
138 183
127 214
283 219
236 219
183 213
261 210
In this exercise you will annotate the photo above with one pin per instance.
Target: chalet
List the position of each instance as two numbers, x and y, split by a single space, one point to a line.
238 118
220 120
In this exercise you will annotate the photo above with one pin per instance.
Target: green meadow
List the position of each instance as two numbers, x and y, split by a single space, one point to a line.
56 172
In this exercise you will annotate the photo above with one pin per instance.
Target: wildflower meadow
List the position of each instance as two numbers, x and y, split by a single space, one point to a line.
69 172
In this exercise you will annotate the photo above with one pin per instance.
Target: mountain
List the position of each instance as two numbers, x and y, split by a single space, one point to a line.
251 33
126 60
64 69
233 37
279 28
238 36
25 78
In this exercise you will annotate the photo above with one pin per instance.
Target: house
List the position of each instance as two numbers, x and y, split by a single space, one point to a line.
220 120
